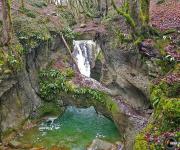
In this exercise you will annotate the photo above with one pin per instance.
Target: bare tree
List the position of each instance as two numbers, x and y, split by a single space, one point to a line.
7 22
22 3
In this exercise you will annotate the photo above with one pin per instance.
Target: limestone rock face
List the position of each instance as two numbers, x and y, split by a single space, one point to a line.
18 92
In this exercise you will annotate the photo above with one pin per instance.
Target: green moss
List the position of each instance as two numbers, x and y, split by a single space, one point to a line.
126 15
140 142
144 11
8 132
160 45
69 73
30 32
138 40
48 108
165 99
54 83
167 106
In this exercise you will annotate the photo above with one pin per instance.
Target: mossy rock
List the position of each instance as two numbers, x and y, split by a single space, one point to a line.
30 31
48 109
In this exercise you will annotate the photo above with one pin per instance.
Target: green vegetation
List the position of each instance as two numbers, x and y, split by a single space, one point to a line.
165 122
27 12
167 64
69 34
39 4
144 12
53 84
48 109
31 32
125 13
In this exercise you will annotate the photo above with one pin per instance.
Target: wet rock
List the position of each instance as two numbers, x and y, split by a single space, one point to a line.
98 144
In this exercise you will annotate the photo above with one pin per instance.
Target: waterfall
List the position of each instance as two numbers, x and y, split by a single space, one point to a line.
85 53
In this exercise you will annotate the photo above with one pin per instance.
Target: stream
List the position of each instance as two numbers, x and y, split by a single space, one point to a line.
74 130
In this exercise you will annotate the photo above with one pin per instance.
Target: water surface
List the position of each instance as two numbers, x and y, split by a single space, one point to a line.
75 129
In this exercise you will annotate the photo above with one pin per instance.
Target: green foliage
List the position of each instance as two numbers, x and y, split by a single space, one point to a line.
126 15
167 107
69 73
39 4
122 37
30 32
66 16
89 93
85 7
53 84
69 34
160 44
138 40
27 12
140 142
167 64
144 11
13 62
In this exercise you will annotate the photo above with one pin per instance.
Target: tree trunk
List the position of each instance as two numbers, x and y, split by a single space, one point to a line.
106 8
70 54
22 3
7 23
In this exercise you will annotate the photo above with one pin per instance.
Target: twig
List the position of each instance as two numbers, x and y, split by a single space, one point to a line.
69 50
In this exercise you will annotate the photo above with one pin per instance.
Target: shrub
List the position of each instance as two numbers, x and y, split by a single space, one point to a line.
30 32
27 12
53 84
39 4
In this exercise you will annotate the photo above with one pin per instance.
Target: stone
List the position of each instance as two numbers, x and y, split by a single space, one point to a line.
7 71
26 146
38 148
14 144
119 145
98 144
83 25
147 48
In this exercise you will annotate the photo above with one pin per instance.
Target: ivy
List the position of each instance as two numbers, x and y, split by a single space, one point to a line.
54 83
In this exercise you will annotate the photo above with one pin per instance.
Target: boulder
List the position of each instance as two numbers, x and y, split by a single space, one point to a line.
14 144
147 48
98 144
83 25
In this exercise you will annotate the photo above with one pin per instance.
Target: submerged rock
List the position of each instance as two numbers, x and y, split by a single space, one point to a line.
98 144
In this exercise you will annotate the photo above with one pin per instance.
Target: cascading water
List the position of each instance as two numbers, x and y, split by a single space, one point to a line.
85 53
